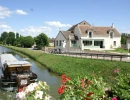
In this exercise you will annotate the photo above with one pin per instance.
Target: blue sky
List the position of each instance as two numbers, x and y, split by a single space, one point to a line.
32 17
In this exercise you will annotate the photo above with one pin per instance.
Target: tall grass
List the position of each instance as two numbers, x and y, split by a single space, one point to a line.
74 67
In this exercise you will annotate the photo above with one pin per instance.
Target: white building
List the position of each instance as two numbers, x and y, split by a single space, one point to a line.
84 36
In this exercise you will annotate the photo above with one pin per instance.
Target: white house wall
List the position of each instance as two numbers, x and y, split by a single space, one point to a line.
108 42
59 37
77 32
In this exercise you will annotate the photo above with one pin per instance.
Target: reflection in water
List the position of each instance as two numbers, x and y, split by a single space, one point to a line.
52 80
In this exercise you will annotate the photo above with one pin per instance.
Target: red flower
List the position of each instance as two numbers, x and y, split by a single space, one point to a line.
116 71
61 89
88 82
64 78
87 99
114 98
89 94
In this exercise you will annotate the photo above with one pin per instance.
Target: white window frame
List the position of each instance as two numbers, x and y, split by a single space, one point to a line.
89 34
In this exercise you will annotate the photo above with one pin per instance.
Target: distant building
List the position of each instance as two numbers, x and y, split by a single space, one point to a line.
51 42
85 36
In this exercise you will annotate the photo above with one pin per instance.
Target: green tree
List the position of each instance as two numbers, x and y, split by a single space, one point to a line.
11 38
26 42
123 38
41 40
17 35
4 37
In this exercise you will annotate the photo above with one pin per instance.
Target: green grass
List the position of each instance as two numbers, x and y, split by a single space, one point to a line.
119 50
74 67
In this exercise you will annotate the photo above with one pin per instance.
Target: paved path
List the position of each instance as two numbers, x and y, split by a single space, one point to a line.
125 59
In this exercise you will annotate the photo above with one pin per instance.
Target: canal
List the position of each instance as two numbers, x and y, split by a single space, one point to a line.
53 80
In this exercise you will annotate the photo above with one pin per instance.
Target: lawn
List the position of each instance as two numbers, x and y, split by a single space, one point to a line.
119 50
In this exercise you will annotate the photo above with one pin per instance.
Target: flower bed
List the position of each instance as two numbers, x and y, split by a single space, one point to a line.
82 88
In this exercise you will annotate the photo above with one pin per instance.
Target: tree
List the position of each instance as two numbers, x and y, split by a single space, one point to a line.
26 41
11 38
41 40
4 37
17 35
123 38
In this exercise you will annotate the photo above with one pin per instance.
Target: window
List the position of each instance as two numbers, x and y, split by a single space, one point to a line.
114 43
87 43
73 41
59 42
97 43
111 34
90 34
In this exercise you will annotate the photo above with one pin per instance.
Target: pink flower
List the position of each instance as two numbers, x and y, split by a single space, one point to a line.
116 71
114 98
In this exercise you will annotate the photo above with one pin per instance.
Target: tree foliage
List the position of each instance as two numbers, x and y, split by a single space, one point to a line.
26 41
123 38
42 40
10 38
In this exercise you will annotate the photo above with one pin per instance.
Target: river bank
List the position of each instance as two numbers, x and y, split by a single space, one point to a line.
74 67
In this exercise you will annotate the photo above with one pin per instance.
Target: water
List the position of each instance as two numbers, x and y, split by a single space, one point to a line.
53 80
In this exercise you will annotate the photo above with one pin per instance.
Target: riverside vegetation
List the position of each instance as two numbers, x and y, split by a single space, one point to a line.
111 85
74 67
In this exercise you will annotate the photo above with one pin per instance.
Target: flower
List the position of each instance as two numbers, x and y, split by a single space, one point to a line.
89 94
20 96
34 91
61 89
47 97
38 95
64 78
114 98
116 71
82 88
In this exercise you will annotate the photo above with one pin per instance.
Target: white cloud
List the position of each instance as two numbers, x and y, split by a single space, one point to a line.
57 24
34 31
4 27
124 30
21 12
4 12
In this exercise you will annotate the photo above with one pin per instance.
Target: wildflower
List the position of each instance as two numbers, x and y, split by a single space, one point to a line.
89 94
38 94
116 71
20 96
87 99
114 98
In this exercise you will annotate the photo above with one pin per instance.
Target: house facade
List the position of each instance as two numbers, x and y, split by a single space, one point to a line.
128 41
85 36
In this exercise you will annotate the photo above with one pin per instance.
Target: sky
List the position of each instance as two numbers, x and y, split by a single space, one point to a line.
32 17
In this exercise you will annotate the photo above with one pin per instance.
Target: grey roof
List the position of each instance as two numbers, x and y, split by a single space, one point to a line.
9 59
69 34
81 23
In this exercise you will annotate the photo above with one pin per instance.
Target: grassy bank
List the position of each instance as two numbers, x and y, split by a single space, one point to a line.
74 67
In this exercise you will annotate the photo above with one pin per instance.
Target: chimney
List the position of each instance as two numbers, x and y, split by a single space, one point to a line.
112 25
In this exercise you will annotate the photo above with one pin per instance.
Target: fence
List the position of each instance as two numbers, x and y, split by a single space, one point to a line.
105 56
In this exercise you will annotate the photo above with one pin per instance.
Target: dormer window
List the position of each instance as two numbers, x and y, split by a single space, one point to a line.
111 35
90 34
